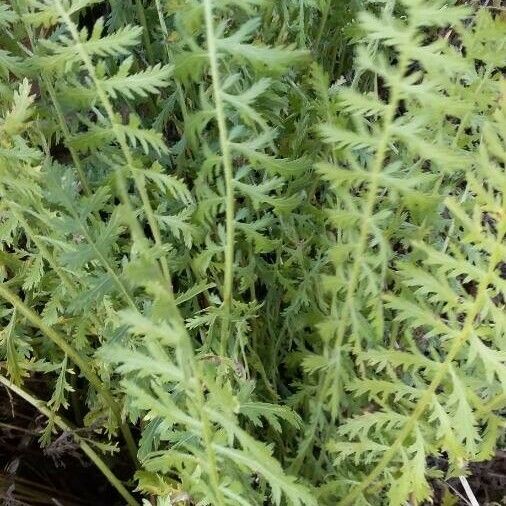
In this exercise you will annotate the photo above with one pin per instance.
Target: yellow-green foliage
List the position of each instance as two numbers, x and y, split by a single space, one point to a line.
268 235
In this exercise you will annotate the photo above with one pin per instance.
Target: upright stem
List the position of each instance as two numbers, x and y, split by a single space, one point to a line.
226 157
66 135
59 271
179 89
85 447
429 393
105 262
82 177
59 113
323 22
135 226
345 312
145 31
455 144
208 443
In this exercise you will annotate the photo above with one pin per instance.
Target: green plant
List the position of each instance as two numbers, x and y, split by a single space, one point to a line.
281 264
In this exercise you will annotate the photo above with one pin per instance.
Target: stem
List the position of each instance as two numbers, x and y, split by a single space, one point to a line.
323 22
109 268
165 32
210 453
428 395
84 182
369 207
372 194
59 271
67 136
59 112
85 447
86 188
41 247
135 226
83 365
145 31
228 173
460 131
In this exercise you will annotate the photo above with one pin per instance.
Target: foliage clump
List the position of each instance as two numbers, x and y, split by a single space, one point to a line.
259 245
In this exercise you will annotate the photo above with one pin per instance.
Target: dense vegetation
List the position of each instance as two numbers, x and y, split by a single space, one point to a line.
257 246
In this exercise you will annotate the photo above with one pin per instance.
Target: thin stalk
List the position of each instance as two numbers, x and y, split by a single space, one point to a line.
66 135
165 32
135 226
65 426
66 280
82 177
42 248
109 268
323 22
226 157
369 208
460 131
70 285
210 452
77 162
344 315
145 31
429 393
83 364
59 113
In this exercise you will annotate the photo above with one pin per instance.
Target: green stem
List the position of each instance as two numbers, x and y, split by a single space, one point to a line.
84 182
165 32
226 157
86 188
59 271
135 226
460 131
145 31
109 268
41 247
428 395
83 365
67 136
69 284
59 113
140 183
372 195
85 447
323 22
208 444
